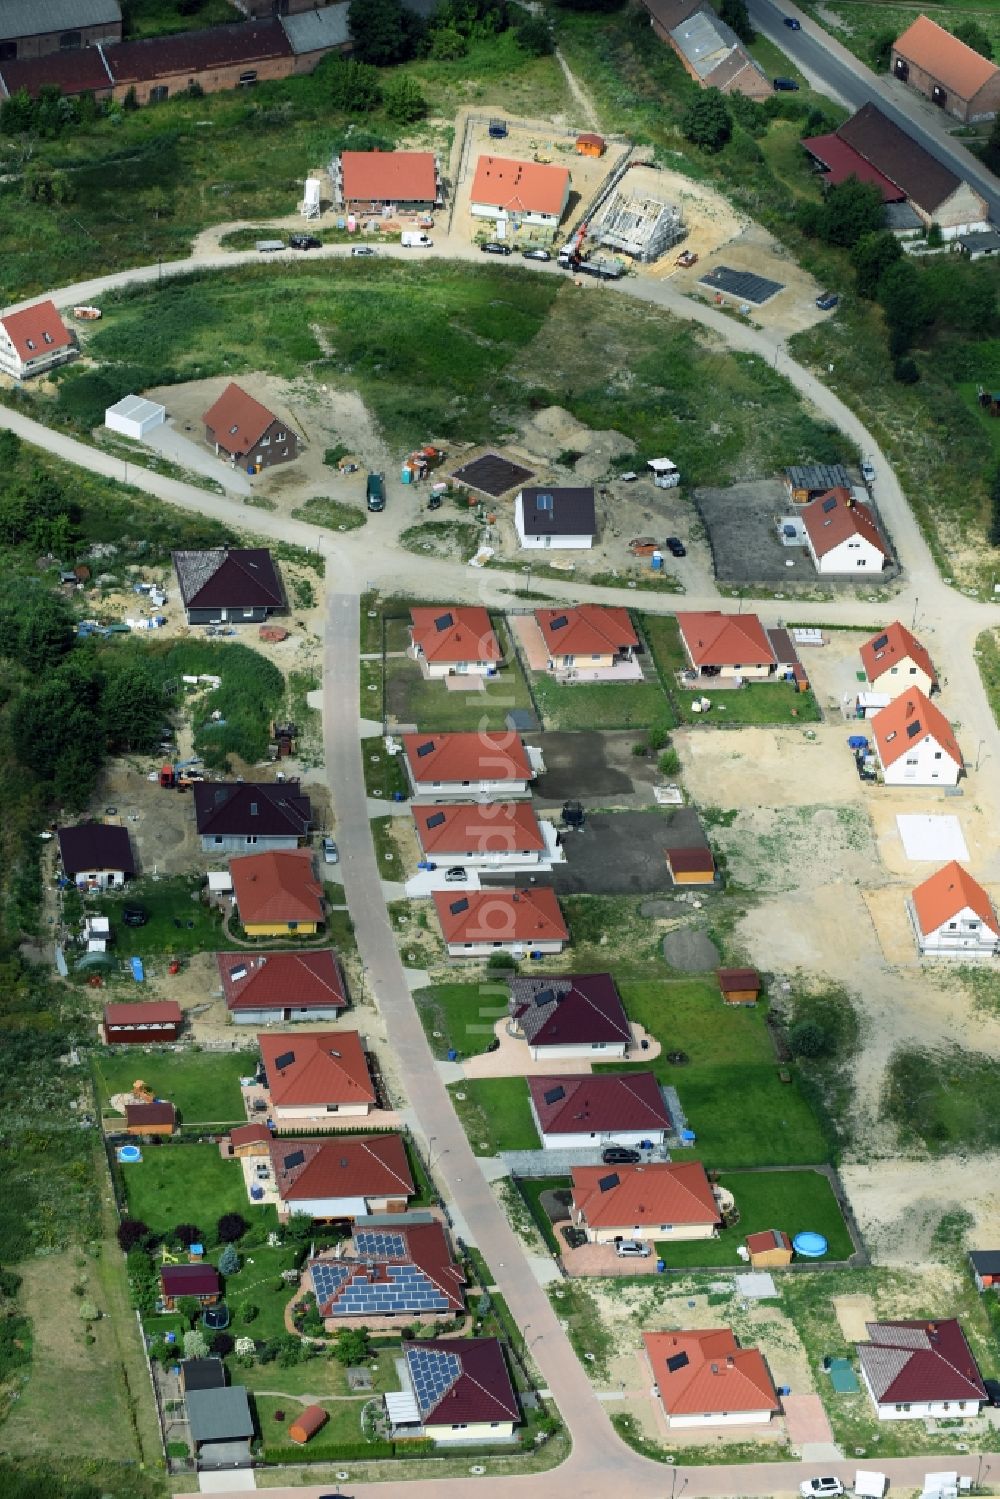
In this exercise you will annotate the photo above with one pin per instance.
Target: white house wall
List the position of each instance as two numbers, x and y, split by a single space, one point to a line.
602 1137
899 679
484 949
979 942
472 1431
857 555
918 766
654 1232
722 1418
599 1051
489 790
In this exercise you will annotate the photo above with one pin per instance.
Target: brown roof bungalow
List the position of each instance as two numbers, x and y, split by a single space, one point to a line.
96 853
150 1118
479 922
617 1107
201 1281
154 1020
220 583
571 1014
916 1369
462 1388
262 988
231 815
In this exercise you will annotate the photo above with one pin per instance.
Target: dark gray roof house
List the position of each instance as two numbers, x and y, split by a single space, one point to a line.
221 1426
229 583
203 1374
543 512
97 852
233 816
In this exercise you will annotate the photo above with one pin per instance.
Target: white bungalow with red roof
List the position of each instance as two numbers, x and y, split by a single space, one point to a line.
33 341
589 643
277 987
527 191
490 835
315 1079
669 1200
894 660
704 1378
917 1369
607 1108
915 743
342 1179
843 536
726 645
476 923
458 641
953 917
463 765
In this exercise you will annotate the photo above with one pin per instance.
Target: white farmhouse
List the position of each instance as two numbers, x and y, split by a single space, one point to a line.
915 743
953 917
34 340
842 535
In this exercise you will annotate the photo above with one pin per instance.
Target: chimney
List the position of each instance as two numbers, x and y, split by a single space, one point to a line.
715 1368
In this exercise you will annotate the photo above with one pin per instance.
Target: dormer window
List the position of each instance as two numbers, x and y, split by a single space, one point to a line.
30 342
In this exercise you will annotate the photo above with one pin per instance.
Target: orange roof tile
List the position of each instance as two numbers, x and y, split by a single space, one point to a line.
459 634
716 639
352 1166
961 69
36 330
911 718
467 757
634 1196
706 1371
238 421
392 176
940 899
892 646
315 1067
833 518
475 828
589 630
501 915
520 186
278 886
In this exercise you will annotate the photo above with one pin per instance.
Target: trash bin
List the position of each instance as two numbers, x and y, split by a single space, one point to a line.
452 1054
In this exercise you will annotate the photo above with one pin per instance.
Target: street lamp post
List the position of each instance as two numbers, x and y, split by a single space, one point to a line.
979 751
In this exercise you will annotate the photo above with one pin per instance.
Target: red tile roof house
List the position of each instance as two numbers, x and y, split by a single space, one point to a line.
476 923
401 181
400 1265
915 743
490 835
316 1078
592 643
33 341
201 1281
343 1179
894 659
705 1378
274 988
461 1392
913 1370
229 583
726 645
129 1025
953 917
606 1109
660 1201
842 535
454 642
277 894
234 816
523 190
464 765
245 432
950 74
97 855
569 1015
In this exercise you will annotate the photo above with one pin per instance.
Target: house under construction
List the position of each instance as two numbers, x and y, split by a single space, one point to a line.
638 225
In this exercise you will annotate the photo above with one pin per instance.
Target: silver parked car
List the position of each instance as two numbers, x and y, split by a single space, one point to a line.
331 854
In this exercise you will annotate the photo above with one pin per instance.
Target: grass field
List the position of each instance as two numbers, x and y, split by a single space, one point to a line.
730 1089
461 1016
188 1184
531 1189
334 515
759 703
390 865
384 773
413 699
178 922
949 1100
601 705
789 1200
204 1087
988 658
163 17
495 1114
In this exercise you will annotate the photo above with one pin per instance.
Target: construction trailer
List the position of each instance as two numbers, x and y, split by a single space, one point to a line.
638 225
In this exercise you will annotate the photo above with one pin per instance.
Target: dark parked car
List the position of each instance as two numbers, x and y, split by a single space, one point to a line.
676 547
536 254
785 86
827 300
135 915
792 23
304 242
494 247
619 1155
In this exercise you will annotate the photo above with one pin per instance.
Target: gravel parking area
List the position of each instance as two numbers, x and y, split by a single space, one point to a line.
624 853
592 765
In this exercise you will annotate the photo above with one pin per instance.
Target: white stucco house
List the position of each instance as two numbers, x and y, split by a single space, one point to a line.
609 1108
564 1015
704 1378
343 1179
953 917
917 1369
527 192
842 535
915 743
894 660
488 765
477 923
490 835
553 518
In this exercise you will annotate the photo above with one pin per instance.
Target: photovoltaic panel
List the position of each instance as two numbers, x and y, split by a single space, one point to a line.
432 1374
378 1245
295 1159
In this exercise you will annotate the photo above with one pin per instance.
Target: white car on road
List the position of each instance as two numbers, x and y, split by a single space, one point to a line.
820 1488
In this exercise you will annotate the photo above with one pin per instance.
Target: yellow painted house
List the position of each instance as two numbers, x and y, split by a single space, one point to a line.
277 894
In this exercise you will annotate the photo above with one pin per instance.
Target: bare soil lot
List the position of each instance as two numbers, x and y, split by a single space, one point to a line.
768 767
899 1204
777 846
592 765
623 853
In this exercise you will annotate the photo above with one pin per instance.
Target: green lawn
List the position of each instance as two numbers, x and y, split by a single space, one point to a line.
789 1200
495 1114
259 1283
759 703
531 1189
322 1376
333 515
203 1086
178 921
412 699
947 1099
390 865
601 705
162 17
461 1016
384 773
344 1424
730 1089
188 1184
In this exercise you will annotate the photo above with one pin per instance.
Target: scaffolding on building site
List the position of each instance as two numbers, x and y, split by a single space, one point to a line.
639 226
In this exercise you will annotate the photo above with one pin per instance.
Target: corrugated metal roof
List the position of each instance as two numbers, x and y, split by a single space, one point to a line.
704 41
33 17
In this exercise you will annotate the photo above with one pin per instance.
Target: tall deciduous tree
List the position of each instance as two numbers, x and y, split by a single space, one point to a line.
707 121
736 15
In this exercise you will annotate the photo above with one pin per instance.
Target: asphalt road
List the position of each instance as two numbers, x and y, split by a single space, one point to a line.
835 70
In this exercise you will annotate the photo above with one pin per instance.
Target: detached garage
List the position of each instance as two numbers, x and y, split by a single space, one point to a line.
134 416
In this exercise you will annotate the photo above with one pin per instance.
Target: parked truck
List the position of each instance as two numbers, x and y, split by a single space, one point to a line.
415 240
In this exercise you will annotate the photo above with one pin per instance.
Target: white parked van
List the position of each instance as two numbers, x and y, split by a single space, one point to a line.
415 240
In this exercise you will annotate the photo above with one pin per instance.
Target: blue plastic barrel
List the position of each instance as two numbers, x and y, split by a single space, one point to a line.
452 1054
661 1266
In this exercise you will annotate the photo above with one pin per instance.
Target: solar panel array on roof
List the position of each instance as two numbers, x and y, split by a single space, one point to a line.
295 1159
553 1095
544 997
407 1289
606 1183
678 1361
444 621
433 1373
559 624
327 1277
436 820
544 502
458 906
285 1060
830 504
913 729
881 643
492 474
375 1244
424 749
